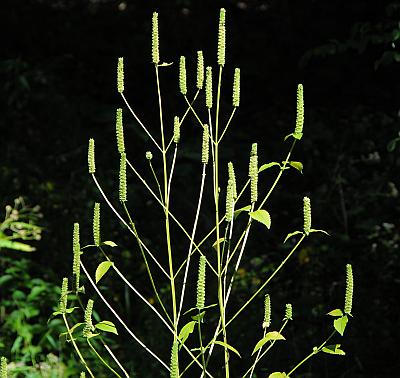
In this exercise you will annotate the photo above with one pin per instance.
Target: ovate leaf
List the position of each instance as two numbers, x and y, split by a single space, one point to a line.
270 336
198 317
106 326
340 324
219 241
333 349
268 165
109 243
230 347
102 269
288 236
277 375
186 330
262 216
296 165
336 312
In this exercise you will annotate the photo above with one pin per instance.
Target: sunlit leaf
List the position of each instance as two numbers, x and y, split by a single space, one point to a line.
270 336
336 312
238 211
333 349
230 347
296 165
219 241
186 330
277 375
292 234
340 324
109 243
262 216
268 165
102 269
106 326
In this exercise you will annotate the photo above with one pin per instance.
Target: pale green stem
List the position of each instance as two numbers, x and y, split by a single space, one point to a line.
115 358
194 112
101 358
157 182
76 347
256 359
203 361
140 122
172 171
227 125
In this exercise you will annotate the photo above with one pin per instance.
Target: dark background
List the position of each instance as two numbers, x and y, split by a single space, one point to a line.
58 89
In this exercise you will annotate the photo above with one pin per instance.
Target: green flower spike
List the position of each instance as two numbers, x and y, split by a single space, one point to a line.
149 155
231 175
307 215
155 51
209 95
288 312
76 247
221 38
300 111
174 365
122 178
230 202
236 88
253 173
205 150
201 284
3 368
96 224
88 328
120 131
120 75
200 70
91 162
177 130
267 312
348 300
62 304
182 75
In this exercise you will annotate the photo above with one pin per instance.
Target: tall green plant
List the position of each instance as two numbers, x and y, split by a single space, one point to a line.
219 264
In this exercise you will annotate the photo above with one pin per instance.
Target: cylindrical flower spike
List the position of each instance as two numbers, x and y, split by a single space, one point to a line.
221 45
236 88
205 150
307 215
182 75
209 94
91 161
122 179
200 70
253 173
222 14
88 328
155 50
201 284
3 367
174 365
230 202
348 300
96 224
177 130
231 175
288 312
120 75
62 304
76 247
300 110
267 312
120 131
149 155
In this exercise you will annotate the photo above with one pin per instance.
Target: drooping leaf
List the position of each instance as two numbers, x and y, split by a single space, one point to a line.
219 241
296 165
277 375
268 165
334 349
324 232
17 246
270 336
230 347
186 330
340 324
73 328
238 211
198 317
106 326
262 216
102 269
109 243
288 236
336 312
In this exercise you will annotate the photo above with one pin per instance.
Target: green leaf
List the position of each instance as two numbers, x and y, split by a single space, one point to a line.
102 269
296 165
195 308
324 232
109 243
106 326
17 246
199 316
340 324
238 211
277 375
268 165
73 328
262 216
70 310
230 347
186 330
219 241
292 234
164 64
274 335
336 312
297 136
333 349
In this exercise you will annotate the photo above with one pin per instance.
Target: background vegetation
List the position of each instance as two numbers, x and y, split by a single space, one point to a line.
58 89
